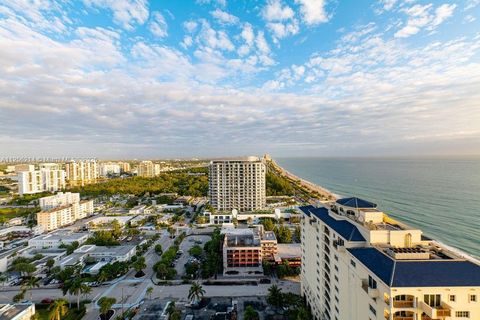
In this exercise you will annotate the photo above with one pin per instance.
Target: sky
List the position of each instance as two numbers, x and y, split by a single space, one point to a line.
151 79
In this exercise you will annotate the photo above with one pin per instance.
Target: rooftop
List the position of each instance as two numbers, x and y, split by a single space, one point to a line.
344 228
9 311
418 273
62 235
356 203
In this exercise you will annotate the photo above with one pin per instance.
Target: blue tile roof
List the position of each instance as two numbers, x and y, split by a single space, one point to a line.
411 273
344 228
356 203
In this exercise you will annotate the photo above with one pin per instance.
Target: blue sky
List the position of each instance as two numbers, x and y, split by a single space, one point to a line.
133 78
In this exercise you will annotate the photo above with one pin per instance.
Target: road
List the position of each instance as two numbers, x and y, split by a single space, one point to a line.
130 291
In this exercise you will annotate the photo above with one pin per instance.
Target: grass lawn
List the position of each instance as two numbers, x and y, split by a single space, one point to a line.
9 213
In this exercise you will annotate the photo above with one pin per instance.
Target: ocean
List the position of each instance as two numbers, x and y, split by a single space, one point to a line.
439 196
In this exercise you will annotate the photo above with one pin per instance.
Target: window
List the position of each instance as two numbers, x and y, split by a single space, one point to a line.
372 309
451 298
372 283
473 298
433 300
462 314
353 263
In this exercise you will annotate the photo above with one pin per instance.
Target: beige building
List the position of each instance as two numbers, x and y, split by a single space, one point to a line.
146 169
237 184
62 209
36 181
81 172
124 167
358 263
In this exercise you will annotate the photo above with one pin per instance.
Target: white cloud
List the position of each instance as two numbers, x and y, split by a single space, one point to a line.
313 11
280 30
442 13
224 17
158 25
190 26
261 43
421 16
125 12
275 11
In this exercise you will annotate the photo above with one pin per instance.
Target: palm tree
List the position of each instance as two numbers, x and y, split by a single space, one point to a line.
19 296
106 304
171 308
58 309
103 276
140 264
150 291
275 296
30 283
77 287
196 292
250 313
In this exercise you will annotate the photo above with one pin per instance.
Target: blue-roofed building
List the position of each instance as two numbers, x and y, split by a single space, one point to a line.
358 263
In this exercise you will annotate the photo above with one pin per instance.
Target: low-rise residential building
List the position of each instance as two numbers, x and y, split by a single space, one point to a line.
17 311
105 222
54 239
137 209
100 254
289 253
358 263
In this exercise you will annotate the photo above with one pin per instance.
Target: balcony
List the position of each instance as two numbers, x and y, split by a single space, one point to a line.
403 318
439 312
403 303
372 293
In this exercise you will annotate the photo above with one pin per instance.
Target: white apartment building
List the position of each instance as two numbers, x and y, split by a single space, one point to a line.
54 239
109 168
59 200
360 264
62 209
81 172
146 169
237 184
36 181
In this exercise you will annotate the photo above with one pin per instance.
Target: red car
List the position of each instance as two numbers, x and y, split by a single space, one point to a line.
47 301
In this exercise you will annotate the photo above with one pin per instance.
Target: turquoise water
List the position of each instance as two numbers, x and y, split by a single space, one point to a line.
441 197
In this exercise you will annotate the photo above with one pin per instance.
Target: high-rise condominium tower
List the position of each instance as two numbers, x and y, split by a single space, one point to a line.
237 184
81 172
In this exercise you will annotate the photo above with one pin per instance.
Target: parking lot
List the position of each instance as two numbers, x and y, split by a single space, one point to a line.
186 244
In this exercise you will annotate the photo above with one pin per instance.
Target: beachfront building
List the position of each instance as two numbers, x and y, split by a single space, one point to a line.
81 172
237 184
62 209
358 263
36 181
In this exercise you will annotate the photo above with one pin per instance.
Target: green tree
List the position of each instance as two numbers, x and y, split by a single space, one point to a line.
116 229
50 263
30 283
196 251
250 314
268 224
171 231
196 292
103 276
171 307
149 292
58 309
158 249
19 296
105 304
140 264
275 296
76 287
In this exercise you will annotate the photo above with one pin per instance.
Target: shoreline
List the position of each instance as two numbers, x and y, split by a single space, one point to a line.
310 186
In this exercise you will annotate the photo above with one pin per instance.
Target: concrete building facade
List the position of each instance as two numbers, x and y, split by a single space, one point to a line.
237 184
358 263
81 172
36 181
